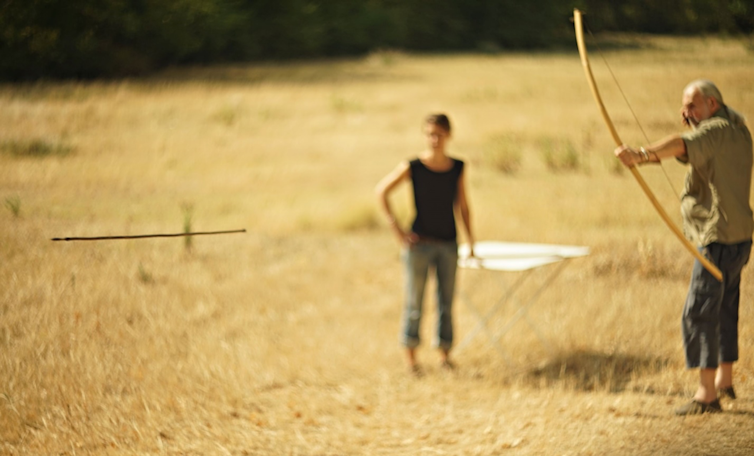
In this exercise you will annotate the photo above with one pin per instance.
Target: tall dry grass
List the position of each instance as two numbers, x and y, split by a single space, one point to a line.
283 340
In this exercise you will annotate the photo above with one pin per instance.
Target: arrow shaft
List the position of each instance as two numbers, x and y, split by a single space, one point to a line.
144 236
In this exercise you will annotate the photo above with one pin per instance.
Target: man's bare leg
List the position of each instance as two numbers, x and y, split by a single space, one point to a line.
724 378
706 392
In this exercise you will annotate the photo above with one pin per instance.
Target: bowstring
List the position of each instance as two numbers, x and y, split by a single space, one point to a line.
630 108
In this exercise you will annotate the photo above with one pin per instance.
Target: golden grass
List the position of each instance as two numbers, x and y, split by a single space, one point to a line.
283 340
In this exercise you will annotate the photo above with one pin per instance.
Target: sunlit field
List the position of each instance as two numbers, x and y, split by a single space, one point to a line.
284 339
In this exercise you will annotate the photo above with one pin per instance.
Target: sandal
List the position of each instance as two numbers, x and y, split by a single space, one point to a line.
727 392
697 408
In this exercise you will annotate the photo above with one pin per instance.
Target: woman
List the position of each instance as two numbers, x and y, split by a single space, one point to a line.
439 191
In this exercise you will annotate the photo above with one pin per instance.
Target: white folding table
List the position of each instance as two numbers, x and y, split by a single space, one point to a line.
513 257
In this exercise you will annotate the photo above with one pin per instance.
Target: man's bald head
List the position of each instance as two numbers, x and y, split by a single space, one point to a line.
706 88
701 100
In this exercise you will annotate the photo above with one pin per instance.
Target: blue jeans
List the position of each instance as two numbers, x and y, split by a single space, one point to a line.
710 315
419 259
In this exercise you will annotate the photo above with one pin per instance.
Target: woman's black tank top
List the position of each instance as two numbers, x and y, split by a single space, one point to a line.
434 196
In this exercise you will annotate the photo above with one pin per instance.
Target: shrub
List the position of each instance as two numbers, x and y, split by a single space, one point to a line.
35 148
560 155
503 153
13 203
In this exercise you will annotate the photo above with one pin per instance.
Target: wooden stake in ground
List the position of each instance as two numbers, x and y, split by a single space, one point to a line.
144 236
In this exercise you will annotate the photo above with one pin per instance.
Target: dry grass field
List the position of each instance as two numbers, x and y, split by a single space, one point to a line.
284 340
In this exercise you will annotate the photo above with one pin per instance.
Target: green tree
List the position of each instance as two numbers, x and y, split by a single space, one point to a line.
93 38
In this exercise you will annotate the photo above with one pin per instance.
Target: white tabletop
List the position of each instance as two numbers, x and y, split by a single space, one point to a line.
511 256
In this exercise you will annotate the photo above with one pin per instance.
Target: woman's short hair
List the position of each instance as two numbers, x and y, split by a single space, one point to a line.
441 120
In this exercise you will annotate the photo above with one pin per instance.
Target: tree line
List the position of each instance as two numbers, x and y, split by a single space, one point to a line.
94 38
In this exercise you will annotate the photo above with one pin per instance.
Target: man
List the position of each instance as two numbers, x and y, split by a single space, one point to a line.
718 217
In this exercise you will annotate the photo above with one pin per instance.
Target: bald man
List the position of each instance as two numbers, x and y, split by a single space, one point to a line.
717 216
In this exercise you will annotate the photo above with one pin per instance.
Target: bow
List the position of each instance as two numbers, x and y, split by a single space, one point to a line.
708 265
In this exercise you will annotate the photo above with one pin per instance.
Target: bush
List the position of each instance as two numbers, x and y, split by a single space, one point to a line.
560 155
35 148
503 153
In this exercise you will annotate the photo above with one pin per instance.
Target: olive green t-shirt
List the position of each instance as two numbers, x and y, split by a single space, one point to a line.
715 201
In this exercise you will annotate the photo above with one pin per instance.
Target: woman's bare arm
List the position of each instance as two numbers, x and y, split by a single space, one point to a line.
383 190
462 205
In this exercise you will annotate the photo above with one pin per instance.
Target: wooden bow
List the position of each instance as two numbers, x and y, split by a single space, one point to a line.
708 265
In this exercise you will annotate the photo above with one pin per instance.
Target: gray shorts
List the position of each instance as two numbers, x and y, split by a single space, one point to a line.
710 315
